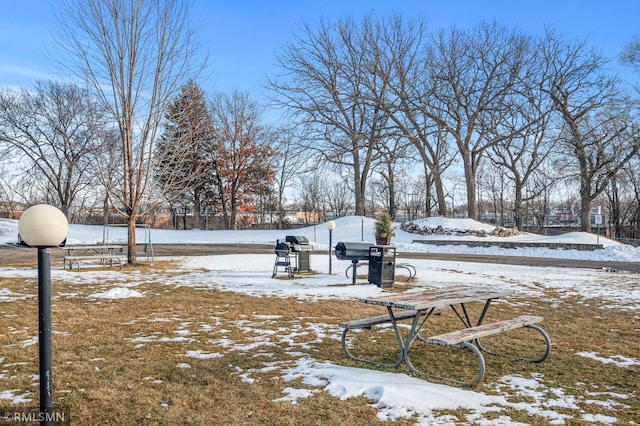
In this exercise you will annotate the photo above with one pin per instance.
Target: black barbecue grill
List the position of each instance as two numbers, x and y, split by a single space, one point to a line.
283 259
292 255
282 249
301 249
354 252
381 261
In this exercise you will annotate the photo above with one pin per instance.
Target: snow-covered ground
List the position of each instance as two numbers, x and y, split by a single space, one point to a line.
395 395
356 228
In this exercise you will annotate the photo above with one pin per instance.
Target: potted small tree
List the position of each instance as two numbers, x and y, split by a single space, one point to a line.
384 229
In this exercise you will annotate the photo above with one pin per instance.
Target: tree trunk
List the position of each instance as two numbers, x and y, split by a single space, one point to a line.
359 193
615 209
585 211
393 209
131 239
105 211
233 212
517 211
442 202
197 209
470 180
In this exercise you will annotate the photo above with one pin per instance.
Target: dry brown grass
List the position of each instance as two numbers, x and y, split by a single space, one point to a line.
116 361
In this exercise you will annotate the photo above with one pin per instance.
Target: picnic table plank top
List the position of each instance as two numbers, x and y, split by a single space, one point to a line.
437 298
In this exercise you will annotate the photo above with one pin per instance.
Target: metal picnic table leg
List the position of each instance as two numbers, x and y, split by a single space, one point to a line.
345 349
464 316
416 326
466 320
414 331
401 344
545 355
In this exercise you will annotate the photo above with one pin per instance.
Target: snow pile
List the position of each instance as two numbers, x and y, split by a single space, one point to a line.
459 227
117 293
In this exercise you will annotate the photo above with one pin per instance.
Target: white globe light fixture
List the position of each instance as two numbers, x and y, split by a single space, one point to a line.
44 226
331 225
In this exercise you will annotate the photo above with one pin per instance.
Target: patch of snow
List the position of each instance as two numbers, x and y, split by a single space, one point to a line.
116 293
619 360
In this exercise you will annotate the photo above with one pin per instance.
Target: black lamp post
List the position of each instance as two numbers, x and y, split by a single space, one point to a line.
44 226
331 225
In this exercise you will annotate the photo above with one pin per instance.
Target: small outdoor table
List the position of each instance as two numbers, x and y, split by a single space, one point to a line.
106 254
94 249
422 304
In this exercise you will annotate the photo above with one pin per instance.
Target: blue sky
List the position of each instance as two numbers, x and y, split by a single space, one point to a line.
242 37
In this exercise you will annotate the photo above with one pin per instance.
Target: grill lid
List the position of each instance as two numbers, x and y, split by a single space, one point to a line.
282 248
299 243
297 239
352 251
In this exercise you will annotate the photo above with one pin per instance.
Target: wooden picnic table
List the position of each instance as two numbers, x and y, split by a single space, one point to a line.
106 254
438 298
421 304
94 249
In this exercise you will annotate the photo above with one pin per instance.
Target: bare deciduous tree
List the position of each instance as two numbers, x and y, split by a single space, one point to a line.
312 195
393 158
134 56
52 127
630 55
596 136
329 84
474 74
243 150
338 199
404 62
9 197
533 140
290 160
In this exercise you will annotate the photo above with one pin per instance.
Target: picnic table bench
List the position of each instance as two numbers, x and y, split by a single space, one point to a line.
422 304
105 259
378 320
106 254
